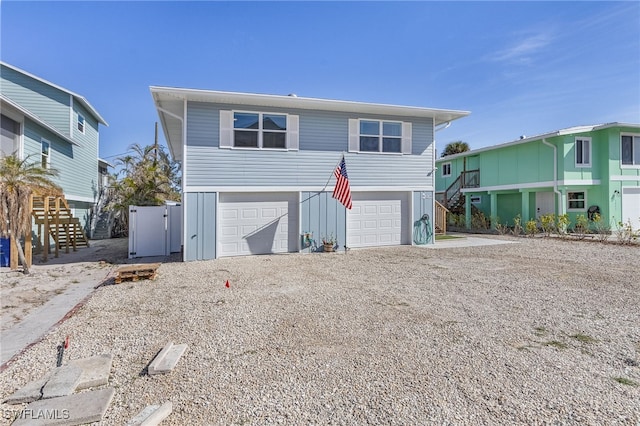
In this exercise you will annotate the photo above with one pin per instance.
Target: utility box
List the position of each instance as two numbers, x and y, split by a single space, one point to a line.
5 252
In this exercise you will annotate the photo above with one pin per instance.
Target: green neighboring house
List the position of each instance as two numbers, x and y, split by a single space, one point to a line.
56 128
577 171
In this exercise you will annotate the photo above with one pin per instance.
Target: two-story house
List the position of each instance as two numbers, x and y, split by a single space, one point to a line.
258 170
578 170
56 128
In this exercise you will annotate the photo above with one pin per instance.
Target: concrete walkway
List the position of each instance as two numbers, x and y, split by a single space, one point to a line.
467 240
38 322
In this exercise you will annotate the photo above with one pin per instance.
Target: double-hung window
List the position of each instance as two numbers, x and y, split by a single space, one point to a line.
380 136
446 169
630 150
576 201
80 123
45 155
259 130
583 152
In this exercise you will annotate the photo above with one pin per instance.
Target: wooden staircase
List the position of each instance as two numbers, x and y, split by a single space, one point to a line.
55 220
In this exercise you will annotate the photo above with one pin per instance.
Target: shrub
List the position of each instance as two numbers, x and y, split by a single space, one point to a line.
582 226
479 221
517 226
548 223
501 228
562 225
601 229
531 228
625 233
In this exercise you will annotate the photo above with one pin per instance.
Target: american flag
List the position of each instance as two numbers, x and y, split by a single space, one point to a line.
342 192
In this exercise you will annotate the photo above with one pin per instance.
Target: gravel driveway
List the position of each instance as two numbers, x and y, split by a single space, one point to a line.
541 331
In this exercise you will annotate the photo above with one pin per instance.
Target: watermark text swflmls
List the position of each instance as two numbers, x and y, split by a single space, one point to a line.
39 414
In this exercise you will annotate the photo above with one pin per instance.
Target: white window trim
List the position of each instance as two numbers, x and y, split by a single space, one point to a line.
43 141
569 209
587 140
227 131
448 163
405 137
628 166
260 131
84 123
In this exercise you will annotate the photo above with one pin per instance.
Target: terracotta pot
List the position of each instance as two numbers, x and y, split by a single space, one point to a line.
328 247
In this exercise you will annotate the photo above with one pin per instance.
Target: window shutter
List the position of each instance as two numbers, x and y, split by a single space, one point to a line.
293 132
226 129
354 135
406 138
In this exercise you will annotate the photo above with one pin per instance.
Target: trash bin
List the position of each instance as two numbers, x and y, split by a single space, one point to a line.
5 251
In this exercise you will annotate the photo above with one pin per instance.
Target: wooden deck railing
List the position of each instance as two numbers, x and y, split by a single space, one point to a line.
440 223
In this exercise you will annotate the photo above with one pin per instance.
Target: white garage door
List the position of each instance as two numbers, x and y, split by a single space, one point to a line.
257 223
376 219
631 206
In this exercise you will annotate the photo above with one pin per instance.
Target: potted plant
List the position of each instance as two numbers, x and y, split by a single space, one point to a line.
329 242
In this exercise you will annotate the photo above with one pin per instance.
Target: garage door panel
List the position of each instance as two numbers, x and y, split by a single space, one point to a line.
376 219
256 223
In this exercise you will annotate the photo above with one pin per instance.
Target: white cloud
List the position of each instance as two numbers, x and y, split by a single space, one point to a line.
523 50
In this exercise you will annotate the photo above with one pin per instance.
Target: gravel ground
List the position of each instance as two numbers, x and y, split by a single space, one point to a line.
543 331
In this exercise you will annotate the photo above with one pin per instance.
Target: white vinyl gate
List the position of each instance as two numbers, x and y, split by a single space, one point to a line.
154 230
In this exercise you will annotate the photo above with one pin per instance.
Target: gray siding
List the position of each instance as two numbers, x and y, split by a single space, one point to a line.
48 103
322 215
423 204
200 223
323 137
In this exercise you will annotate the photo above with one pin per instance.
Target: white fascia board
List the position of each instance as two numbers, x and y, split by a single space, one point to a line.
254 99
530 185
244 189
85 103
37 119
562 132
72 198
623 178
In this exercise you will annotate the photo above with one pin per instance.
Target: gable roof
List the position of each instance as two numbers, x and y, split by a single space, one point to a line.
35 118
169 102
567 131
76 97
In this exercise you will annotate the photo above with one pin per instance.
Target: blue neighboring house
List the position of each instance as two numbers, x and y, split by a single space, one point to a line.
55 127
258 170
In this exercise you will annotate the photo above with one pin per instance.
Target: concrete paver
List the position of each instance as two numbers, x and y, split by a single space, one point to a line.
152 415
167 359
63 382
95 370
76 409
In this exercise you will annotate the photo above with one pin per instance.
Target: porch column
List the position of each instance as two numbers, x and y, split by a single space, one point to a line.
467 210
494 208
525 212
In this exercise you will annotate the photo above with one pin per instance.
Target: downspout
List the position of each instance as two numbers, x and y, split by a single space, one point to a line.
555 173
432 174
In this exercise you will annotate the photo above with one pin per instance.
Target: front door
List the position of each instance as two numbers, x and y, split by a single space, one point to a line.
545 203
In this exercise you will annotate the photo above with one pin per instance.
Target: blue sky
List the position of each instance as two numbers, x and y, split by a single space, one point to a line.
521 68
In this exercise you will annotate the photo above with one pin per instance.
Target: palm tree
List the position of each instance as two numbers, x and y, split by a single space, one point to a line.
455 148
20 179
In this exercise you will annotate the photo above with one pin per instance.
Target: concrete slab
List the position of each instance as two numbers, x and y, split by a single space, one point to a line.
63 382
467 241
167 359
95 370
152 415
76 409
30 392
